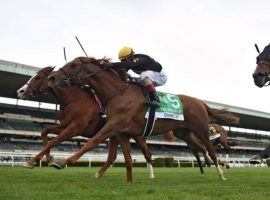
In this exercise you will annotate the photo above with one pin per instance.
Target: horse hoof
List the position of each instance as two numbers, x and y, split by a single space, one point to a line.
58 165
223 179
96 176
29 164
51 161
151 177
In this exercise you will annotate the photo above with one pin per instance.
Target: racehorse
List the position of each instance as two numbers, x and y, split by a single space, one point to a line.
125 107
80 115
197 146
261 74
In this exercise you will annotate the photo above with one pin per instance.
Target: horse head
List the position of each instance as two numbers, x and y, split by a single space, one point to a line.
261 74
77 72
36 85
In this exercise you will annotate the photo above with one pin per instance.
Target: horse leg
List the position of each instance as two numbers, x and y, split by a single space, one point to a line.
192 142
106 132
200 128
197 156
205 139
44 135
141 141
65 134
126 148
55 129
224 143
113 144
195 145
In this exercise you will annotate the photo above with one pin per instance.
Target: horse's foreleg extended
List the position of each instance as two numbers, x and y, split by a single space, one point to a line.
55 129
102 135
141 141
65 134
113 144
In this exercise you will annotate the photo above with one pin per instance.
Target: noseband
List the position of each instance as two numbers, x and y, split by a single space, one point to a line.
266 75
35 90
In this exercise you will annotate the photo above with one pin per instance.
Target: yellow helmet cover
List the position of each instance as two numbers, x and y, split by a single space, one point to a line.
125 52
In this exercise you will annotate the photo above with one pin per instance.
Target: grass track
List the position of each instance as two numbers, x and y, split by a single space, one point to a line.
170 183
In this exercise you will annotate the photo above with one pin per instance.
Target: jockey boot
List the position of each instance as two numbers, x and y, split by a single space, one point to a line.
154 99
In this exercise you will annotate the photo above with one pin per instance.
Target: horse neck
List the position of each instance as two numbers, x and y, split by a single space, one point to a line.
65 96
106 85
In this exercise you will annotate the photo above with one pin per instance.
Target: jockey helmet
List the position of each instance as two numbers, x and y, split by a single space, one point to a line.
125 52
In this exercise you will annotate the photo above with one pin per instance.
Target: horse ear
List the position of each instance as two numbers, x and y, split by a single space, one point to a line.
50 68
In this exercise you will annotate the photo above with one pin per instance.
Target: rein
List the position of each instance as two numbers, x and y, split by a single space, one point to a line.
69 79
121 90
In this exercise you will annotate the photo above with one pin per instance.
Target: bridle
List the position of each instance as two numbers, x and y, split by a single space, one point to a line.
265 75
260 62
35 89
69 79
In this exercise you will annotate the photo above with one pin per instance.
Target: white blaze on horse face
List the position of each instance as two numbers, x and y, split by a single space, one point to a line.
23 89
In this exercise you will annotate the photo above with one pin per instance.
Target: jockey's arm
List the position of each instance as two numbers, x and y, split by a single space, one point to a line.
136 63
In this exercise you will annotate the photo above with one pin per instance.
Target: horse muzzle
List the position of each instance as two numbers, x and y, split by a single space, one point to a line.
260 79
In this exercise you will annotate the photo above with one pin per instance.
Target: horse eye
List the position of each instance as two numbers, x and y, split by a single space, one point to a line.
37 78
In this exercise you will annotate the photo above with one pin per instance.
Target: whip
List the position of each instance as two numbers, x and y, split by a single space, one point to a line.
64 48
81 46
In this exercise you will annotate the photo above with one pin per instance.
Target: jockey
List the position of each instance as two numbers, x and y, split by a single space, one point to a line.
150 71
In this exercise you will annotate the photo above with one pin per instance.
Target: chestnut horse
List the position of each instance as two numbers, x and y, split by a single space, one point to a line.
126 108
196 145
261 74
80 115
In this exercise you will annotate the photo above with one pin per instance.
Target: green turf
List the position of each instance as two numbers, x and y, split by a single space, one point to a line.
170 183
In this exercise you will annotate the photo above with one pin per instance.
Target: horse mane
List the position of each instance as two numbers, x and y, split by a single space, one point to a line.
99 62
102 63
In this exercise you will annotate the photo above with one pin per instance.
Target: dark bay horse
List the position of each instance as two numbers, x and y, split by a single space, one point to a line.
261 74
80 115
261 78
126 108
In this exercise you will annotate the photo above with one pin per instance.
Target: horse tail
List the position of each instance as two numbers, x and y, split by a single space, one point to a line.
222 115
169 136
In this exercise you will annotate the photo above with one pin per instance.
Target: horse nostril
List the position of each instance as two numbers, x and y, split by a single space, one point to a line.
258 75
21 91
